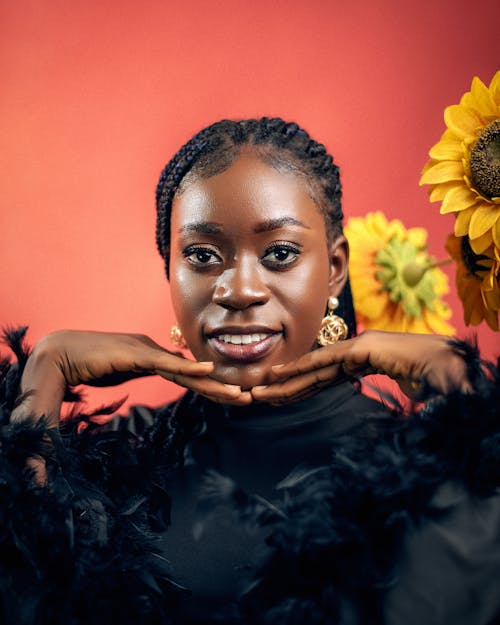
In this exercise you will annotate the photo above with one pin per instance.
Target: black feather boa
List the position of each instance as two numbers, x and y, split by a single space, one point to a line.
82 550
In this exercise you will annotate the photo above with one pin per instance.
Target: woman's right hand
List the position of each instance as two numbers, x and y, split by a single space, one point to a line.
69 357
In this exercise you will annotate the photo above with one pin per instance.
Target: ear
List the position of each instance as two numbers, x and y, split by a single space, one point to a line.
338 251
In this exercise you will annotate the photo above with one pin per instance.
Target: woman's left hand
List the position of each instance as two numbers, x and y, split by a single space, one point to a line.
410 359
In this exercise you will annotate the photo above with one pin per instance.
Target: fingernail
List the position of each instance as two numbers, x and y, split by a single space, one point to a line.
274 367
259 388
206 362
232 387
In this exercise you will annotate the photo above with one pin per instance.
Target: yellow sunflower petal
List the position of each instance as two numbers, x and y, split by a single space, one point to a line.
491 308
418 237
495 88
457 199
397 320
370 244
481 244
492 294
462 221
439 192
495 232
483 219
491 319
367 243
461 121
364 286
493 300
437 323
476 314
473 304
427 166
418 326
441 283
395 229
375 306
447 150
443 171
367 238
443 311
377 220
452 246
484 103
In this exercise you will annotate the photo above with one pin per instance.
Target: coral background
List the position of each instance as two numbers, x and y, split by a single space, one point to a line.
96 97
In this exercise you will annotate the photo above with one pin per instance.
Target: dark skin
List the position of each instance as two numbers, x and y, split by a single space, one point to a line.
268 267
249 250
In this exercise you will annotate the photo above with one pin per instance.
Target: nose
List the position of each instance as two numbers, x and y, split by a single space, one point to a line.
241 286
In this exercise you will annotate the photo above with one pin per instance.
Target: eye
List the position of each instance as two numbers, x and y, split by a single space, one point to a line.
201 256
280 255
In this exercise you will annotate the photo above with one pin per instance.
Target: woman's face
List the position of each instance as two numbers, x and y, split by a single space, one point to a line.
251 269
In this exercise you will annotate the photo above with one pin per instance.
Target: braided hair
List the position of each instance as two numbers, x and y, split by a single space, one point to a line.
283 144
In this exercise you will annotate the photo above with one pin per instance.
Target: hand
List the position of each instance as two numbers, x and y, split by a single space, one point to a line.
68 358
407 358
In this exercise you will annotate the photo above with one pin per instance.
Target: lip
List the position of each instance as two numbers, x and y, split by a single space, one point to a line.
245 352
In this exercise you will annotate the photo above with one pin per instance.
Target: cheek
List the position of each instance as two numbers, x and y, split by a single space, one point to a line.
189 299
305 304
303 325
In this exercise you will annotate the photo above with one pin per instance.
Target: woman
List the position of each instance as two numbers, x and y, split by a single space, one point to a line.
249 227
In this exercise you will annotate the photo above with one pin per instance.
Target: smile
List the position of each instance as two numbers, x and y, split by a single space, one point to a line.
242 339
240 346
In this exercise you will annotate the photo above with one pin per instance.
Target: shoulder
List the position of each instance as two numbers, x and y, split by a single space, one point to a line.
449 566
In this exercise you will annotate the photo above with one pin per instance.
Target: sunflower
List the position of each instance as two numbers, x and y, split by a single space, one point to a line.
477 282
394 284
464 170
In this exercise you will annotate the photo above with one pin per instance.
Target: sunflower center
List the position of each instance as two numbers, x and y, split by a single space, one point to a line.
485 161
402 273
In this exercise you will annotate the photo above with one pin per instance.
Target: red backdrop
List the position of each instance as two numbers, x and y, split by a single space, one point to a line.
96 96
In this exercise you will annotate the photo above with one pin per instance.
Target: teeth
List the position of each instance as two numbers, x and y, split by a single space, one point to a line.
241 339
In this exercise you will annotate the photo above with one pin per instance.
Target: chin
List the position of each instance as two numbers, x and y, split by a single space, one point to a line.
245 376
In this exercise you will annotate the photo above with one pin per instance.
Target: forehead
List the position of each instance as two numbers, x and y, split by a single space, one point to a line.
247 192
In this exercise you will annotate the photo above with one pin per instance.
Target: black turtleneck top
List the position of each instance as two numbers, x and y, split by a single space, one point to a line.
257 447
448 569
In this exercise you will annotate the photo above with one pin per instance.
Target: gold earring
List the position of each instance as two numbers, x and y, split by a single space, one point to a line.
333 328
176 337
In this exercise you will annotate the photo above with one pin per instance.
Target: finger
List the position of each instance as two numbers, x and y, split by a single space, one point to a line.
330 355
170 364
205 386
354 369
452 377
244 399
293 387
411 388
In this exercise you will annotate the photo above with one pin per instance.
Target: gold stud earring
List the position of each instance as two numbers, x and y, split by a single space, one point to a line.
176 337
333 328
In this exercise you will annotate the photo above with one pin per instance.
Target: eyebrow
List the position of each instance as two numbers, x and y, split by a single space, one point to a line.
202 227
211 227
279 222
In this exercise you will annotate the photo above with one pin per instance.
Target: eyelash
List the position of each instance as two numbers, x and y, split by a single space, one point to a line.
280 246
196 251
193 250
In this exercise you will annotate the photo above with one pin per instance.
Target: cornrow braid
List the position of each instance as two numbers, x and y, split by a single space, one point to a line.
285 144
